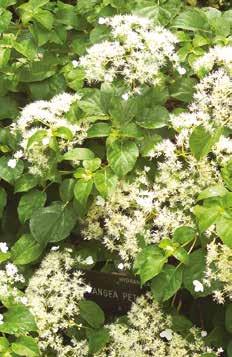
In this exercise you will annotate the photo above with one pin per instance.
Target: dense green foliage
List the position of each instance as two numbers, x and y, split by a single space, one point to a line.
86 170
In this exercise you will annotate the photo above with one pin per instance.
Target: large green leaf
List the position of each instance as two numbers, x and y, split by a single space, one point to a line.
206 216
122 156
195 270
82 190
26 250
153 118
8 173
224 230
167 283
52 223
26 346
193 20
18 320
97 339
29 203
105 181
8 107
5 19
183 89
149 263
91 313
201 141
79 154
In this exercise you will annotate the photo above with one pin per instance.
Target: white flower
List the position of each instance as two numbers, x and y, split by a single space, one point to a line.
125 96
204 333
1 319
166 334
3 247
101 20
121 266
89 260
12 163
75 63
45 141
220 350
24 300
55 248
11 269
100 201
198 286
18 154
88 289
181 70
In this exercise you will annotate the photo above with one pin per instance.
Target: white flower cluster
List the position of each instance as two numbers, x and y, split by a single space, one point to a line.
9 277
43 119
218 55
179 179
137 52
219 269
53 294
121 218
149 333
211 106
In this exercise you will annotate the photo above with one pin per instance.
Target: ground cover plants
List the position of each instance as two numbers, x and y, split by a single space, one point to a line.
116 156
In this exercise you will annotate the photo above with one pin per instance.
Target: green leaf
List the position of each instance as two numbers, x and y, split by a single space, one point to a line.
99 130
26 250
195 270
18 320
82 190
122 111
66 190
4 256
181 324
5 19
10 174
149 143
26 346
53 223
193 20
4 344
153 118
97 339
206 216
105 181
227 174
183 89
91 313
167 283
29 203
8 108
63 132
66 14
228 318
3 200
149 263
182 255
224 230
201 141
92 165
25 182
122 156
213 191
45 18
183 235
4 56
78 154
